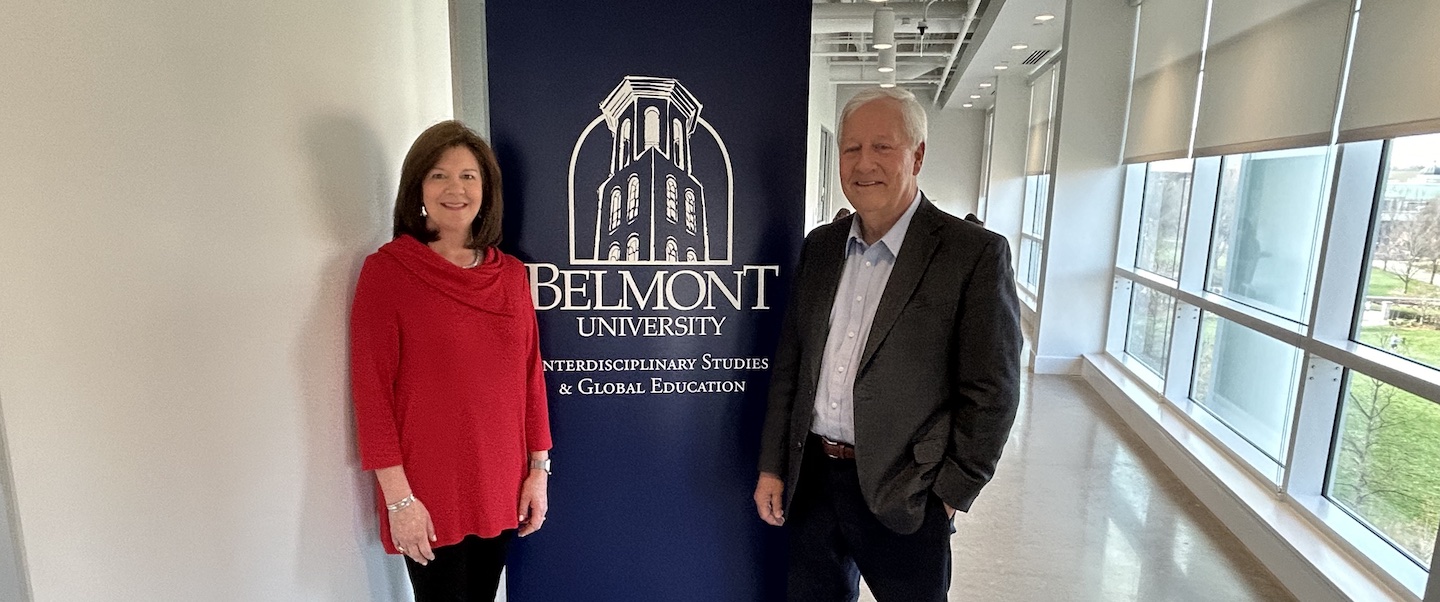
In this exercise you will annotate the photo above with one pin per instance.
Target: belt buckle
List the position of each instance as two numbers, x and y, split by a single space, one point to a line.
831 444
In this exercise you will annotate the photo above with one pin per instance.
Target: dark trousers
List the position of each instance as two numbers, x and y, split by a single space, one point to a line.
468 571
834 539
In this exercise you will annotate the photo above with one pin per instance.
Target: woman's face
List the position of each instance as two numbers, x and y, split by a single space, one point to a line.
452 191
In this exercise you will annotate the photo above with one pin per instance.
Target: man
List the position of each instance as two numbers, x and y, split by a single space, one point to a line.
897 375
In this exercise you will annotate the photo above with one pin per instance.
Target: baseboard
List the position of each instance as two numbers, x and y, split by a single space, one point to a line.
1265 524
1057 364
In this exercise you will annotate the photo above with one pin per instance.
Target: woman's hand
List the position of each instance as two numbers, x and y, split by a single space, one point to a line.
412 532
534 502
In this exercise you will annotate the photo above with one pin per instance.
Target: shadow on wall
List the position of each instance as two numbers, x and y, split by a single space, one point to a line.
353 188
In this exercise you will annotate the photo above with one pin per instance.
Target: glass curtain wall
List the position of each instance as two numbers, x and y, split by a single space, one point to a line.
1038 171
1261 219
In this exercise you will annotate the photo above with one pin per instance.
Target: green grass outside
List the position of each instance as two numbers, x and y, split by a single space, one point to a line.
1387 284
1403 461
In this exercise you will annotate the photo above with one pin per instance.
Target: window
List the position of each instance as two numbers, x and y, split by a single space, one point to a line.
626 153
672 250
1147 337
632 205
1030 251
1400 310
671 212
1037 180
1247 380
677 137
1162 217
652 127
690 255
1386 467
690 210
1267 224
614 208
632 248
614 251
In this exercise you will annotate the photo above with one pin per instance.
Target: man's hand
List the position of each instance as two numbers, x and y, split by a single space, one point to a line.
769 500
949 512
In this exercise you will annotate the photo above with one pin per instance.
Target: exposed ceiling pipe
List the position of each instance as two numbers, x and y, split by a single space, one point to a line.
935 58
847 18
955 52
866 71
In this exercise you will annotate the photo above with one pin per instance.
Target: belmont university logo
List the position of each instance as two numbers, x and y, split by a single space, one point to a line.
652 207
654 186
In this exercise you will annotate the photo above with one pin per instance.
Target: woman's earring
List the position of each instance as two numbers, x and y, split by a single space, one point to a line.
423 213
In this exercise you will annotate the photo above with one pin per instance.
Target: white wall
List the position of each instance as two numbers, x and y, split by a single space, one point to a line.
956 137
951 174
1087 187
186 192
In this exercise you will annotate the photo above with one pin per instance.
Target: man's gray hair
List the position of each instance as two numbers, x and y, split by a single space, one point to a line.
911 112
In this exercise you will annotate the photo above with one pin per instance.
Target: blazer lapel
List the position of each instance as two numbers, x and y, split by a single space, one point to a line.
915 253
829 264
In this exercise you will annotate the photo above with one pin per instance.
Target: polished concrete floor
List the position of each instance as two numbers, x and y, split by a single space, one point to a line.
1081 510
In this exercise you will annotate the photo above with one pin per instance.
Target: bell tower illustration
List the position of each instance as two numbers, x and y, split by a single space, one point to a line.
651 209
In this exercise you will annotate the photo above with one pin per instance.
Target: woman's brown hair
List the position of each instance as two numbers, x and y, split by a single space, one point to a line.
423 155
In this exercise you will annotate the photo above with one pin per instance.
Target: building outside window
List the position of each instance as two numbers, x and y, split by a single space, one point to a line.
632 248
690 210
632 202
614 209
671 211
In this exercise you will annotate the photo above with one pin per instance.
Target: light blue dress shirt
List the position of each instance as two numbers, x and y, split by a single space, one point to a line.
867 269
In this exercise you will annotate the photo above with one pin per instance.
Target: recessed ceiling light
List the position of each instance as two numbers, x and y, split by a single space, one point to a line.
967 105
985 84
1044 17
1001 67
974 96
1019 46
887 85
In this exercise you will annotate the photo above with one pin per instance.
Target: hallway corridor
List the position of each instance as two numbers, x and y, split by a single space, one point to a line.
1080 510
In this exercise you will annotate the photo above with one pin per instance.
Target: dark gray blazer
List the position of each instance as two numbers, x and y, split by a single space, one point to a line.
939 378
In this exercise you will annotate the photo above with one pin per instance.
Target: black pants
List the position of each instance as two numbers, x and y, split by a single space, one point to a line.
834 539
468 571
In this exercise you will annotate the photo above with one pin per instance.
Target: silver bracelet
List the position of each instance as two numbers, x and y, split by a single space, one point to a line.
401 504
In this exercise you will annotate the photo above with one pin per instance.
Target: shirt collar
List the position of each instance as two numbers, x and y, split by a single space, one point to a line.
892 239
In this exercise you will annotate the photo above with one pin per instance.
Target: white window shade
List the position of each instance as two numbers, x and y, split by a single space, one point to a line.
1167 72
1394 87
1042 104
1272 75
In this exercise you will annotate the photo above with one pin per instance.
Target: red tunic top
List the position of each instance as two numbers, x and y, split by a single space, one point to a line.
447 381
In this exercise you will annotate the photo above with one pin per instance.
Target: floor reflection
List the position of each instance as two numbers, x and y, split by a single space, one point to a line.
1081 510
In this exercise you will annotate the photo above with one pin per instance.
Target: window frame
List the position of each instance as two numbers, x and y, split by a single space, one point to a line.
1326 341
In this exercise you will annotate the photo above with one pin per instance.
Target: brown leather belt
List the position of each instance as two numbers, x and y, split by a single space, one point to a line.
835 449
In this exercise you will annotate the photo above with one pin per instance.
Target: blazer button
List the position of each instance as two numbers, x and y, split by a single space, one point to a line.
799 445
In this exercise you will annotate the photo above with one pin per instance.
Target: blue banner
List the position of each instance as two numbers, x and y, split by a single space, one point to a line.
654 162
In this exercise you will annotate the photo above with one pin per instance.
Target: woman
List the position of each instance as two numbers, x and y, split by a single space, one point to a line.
446 375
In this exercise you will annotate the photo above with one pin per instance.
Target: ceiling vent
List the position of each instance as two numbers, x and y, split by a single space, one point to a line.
1036 57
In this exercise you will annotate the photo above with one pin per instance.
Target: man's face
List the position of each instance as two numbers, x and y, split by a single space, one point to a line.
878 161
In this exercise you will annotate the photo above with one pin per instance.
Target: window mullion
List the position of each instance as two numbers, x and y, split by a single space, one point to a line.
1130 209
1184 341
1119 327
1344 256
1205 187
1312 438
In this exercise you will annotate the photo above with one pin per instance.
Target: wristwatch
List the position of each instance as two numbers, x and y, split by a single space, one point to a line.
541 465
